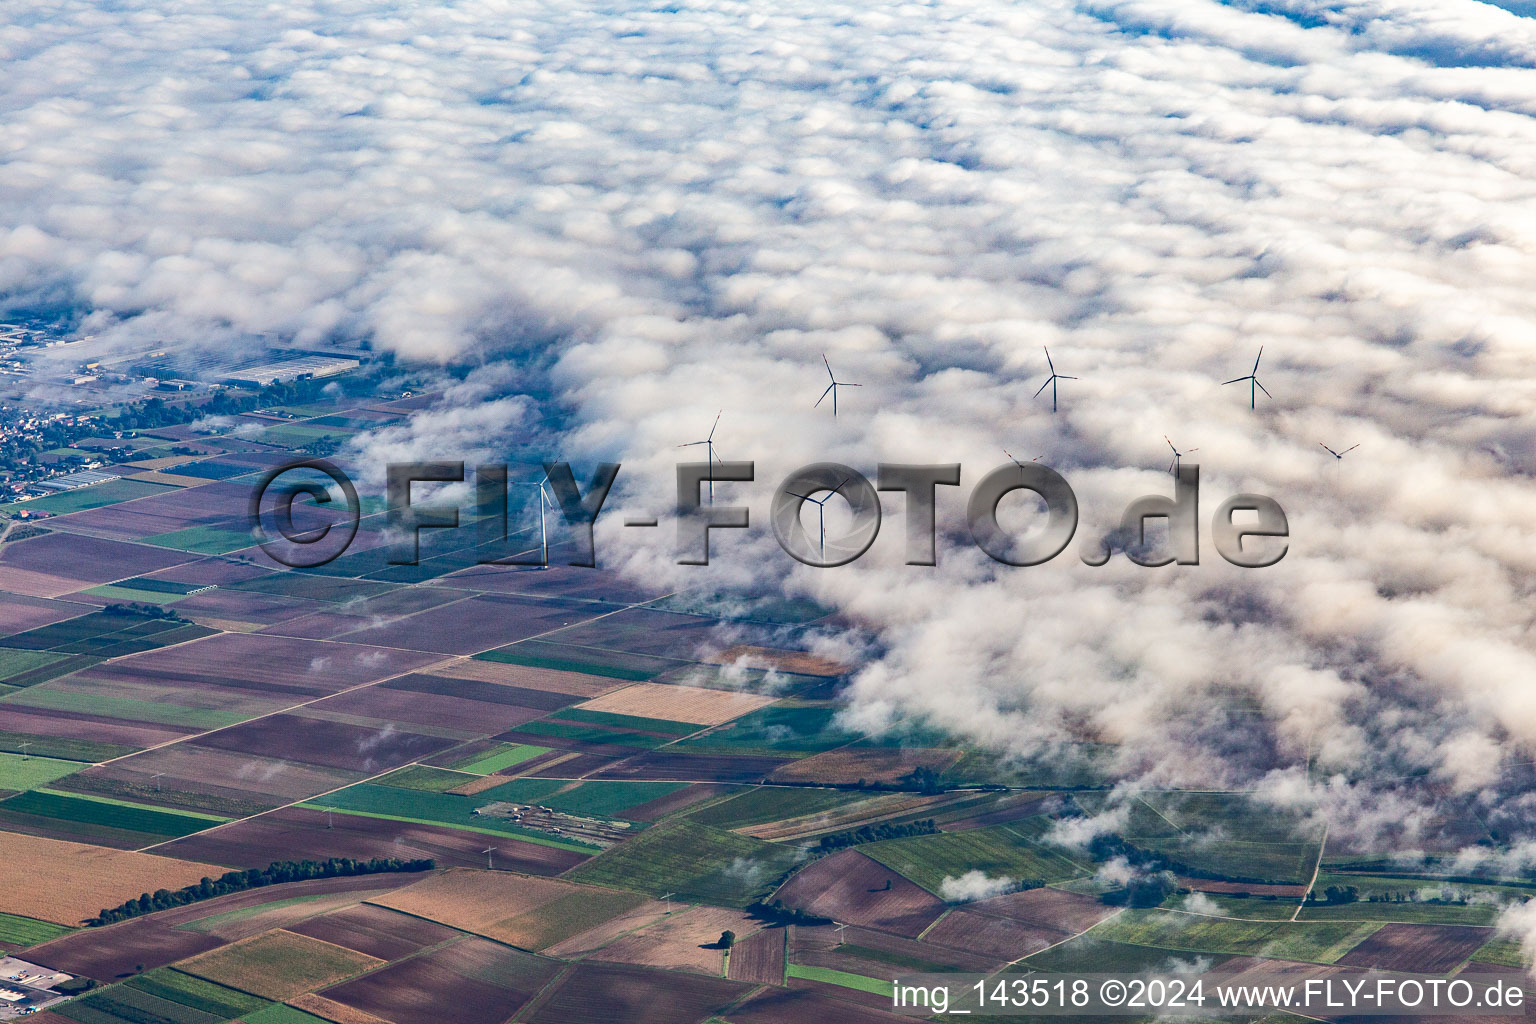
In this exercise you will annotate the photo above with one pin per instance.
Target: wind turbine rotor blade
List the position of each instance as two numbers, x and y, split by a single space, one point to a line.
1330 451
824 394
690 444
1191 450
828 366
1048 361
1256 360
1262 388
711 436
1346 451
1062 376
1044 386
1234 380
1172 462
1170 445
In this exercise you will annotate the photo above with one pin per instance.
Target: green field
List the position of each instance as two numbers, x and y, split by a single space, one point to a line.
589 733
109 492
106 635
1248 909
277 1013
23 771
220 1000
1316 941
1411 913
15 662
116 814
505 756
997 850
429 808
661 725
118 592
587 660
204 540
772 803
1091 954
843 979
777 729
26 931
122 707
692 861
124 1004
424 778
609 799
1505 952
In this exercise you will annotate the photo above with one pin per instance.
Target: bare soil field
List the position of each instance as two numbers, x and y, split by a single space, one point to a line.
877 808
329 1009
431 710
1293 892
610 992
600 935
477 624
1421 948
850 764
296 833
662 766
940 956
573 914
575 684
375 930
278 964
472 900
75 725
1052 908
306 668
797 663
563 764
482 982
65 882
678 703
851 888
681 799
19 614
255 610
555 581
107 954
759 958
992 936
87 560
251 776
681 941
796 1006
328 744
645 631
479 691
1009 808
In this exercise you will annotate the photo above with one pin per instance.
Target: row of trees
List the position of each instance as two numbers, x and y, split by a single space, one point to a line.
275 873
875 833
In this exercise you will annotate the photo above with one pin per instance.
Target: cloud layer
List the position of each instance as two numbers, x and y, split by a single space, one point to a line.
642 214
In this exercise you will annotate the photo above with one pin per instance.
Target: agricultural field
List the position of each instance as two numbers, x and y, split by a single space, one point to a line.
278 964
1318 942
64 882
693 862
1001 850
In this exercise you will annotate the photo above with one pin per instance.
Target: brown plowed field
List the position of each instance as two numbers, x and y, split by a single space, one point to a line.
430 710
992 936
375 930
759 958
325 743
1420 948
576 684
682 941
443 985
473 900
1052 908
849 887
678 703
65 882
799 1005
610 992
662 806
875 765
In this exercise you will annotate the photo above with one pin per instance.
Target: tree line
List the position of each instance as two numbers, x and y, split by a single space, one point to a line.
275 873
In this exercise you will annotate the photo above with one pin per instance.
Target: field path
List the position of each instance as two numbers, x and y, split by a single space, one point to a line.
1316 870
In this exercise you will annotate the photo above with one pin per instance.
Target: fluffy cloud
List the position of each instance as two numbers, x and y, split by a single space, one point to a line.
633 216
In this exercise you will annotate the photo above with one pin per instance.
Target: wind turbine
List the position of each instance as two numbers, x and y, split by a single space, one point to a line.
155 778
1052 379
488 851
1254 387
667 899
1016 462
545 504
709 443
1339 455
832 387
821 510
1178 457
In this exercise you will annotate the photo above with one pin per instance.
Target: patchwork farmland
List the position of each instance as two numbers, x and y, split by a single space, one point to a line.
604 784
